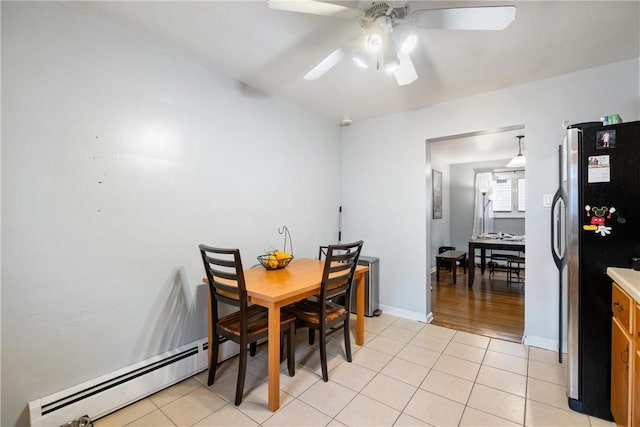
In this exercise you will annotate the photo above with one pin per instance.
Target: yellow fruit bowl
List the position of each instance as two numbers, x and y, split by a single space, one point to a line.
275 261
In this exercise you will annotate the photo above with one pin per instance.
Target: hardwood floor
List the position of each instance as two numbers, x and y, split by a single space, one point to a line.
490 308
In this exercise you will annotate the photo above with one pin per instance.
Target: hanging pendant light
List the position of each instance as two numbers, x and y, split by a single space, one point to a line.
518 161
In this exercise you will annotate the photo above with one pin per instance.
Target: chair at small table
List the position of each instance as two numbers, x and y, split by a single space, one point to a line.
245 326
498 262
321 313
514 266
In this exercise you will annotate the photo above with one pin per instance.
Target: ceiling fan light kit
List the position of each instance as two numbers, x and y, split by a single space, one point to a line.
389 30
373 42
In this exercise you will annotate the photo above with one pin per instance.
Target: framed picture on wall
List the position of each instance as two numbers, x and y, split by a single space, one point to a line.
436 177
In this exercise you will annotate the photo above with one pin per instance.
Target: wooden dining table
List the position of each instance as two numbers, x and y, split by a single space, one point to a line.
275 289
483 244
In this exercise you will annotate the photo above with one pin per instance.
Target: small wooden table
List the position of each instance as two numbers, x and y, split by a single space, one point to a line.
277 288
450 258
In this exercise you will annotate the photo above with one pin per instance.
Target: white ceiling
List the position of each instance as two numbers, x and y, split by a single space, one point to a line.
268 51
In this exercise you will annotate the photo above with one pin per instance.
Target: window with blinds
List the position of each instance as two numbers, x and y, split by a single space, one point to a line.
502 195
508 193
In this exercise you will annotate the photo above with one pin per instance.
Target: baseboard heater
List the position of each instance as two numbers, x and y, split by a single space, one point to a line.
108 393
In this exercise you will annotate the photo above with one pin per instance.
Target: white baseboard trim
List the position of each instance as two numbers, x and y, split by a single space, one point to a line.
400 312
108 393
541 342
430 317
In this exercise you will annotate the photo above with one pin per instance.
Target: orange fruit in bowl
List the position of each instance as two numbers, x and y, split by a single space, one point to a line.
272 261
280 255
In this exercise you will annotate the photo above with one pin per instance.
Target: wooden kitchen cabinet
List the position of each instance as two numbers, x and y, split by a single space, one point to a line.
635 402
635 409
625 358
620 374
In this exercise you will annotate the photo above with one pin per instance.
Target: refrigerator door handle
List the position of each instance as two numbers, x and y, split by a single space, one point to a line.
559 259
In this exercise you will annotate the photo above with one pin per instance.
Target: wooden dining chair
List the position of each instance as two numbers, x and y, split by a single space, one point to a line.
244 326
321 313
515 266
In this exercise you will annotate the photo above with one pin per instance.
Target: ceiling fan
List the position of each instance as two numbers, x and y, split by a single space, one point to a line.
389 31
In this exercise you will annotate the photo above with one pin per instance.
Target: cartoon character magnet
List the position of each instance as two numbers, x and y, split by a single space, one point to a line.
597 221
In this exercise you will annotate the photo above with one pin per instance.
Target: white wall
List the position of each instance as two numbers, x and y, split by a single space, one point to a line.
384 195
97 276
387 156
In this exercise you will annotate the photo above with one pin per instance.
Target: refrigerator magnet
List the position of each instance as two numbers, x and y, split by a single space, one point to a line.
599 169
606 139
597 221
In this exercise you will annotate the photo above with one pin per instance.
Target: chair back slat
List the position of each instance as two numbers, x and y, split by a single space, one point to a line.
225 275
229 276
339 268
221 262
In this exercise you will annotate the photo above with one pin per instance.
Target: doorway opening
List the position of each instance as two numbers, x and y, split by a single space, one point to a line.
494 305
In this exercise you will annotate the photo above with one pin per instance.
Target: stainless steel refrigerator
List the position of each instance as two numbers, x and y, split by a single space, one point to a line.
595 224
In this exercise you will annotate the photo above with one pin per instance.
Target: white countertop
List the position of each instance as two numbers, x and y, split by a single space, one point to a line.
628 279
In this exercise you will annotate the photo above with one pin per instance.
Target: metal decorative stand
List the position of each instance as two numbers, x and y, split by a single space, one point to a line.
284 230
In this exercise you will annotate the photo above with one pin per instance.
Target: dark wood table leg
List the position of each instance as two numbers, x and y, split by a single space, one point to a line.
437 269
454 270
483 260
472 267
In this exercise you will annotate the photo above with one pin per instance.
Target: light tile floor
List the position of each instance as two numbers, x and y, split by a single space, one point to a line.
407 374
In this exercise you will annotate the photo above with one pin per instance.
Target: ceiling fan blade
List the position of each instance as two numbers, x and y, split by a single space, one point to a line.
314 8
406 72
325 65
464 18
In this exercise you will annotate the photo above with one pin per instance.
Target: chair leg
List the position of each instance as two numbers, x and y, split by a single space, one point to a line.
323 355
252 348
213 361
291 356
312 336
347 339
282 335
242 369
